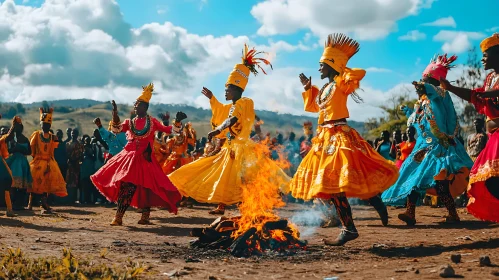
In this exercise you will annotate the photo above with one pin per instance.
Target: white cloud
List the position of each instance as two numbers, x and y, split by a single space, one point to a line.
414 35
457 41
281 92
161 11
367 19
377 70
493 29
442 22
84 49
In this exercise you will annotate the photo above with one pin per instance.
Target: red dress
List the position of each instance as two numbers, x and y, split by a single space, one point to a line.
154 189
482 204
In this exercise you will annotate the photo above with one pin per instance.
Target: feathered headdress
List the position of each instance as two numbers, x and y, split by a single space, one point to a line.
489 42
338 49
250 63
146 93
46 115
439 66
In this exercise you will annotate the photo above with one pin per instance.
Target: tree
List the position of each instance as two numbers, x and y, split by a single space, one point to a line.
472 77
393 118
20 108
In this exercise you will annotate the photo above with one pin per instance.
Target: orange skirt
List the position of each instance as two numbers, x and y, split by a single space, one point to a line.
340 161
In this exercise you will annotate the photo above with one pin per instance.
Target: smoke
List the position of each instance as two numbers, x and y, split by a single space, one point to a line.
308 219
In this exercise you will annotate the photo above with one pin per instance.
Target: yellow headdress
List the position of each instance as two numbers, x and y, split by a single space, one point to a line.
240 74
488 43
146 93
338 49
46 115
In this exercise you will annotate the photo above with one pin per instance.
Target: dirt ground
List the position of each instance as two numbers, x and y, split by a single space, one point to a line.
393 252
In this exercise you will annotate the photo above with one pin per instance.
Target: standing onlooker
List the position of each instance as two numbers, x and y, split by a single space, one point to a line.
87 169
74 151
476 141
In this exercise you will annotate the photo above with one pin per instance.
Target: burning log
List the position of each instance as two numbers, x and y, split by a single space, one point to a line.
240 248
273 225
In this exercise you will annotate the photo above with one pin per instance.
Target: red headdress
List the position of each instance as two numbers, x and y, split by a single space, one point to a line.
439 66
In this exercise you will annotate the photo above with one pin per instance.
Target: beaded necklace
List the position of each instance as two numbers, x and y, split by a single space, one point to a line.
322 101
45 140
141 133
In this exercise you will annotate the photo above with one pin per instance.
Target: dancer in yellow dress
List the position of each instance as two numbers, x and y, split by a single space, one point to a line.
340 164
219 178
47 177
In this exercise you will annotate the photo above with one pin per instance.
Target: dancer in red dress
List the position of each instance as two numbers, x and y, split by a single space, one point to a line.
483 190
134 177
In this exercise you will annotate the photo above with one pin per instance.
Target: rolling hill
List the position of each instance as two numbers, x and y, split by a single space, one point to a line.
80 113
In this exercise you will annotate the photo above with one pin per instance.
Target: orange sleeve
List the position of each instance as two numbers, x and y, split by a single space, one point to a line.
309 100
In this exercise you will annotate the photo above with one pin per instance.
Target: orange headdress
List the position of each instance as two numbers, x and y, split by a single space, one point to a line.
338 49
46 115
439 66
240 74
146 93
488 43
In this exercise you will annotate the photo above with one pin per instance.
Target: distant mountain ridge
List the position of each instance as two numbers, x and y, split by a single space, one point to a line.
83 111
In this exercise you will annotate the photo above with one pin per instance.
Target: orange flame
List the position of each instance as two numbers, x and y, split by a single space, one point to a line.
261 196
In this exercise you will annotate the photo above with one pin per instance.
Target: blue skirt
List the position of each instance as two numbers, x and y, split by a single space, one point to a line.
427 163
21 173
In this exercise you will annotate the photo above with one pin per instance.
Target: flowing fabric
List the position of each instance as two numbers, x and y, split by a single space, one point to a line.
219 178
136 164
437 155
482 204
19 166
339 161
47 177
5 173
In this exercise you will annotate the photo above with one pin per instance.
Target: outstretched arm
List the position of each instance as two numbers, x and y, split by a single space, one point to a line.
462 93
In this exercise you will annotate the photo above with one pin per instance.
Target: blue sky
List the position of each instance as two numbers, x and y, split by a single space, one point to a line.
293 32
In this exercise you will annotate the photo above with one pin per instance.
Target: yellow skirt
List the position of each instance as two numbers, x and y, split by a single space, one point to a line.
219 178
340 161
47 178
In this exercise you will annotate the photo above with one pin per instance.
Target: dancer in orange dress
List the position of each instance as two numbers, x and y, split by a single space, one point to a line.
405 148
47 177
178 147
340 164
6 180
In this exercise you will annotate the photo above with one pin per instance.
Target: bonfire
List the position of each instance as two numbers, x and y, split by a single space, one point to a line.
258 229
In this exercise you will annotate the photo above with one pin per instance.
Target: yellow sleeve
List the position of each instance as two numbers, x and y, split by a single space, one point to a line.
350 80
32 142
309 100
218 114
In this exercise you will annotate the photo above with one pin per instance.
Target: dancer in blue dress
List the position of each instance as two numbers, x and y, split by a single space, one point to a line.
439 164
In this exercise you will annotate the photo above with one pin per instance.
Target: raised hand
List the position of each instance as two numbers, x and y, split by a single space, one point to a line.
97 122
115 107
165 117
180 116
213 134
207 93
445 84
306 82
